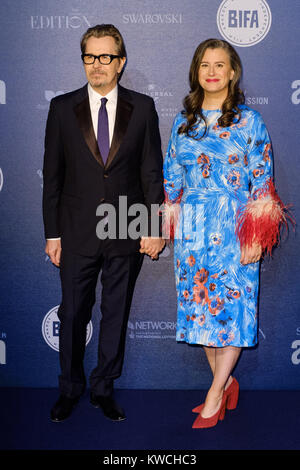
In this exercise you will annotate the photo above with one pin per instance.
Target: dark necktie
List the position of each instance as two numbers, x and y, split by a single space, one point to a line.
103 133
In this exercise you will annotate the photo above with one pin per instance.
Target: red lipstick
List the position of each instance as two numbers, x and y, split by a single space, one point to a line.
212 79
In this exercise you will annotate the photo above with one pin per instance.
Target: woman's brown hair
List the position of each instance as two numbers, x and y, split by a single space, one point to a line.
193 101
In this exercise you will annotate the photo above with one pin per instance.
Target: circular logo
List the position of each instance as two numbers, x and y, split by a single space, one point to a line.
244 23
50 329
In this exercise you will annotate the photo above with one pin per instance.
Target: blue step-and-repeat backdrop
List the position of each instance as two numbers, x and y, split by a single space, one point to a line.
40 58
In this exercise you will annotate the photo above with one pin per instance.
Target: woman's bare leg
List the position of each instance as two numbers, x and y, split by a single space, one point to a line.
225 360
211 357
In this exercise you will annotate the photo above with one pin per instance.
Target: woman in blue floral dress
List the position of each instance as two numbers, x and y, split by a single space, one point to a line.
218 172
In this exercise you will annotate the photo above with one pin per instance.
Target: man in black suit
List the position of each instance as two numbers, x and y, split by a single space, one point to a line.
102 142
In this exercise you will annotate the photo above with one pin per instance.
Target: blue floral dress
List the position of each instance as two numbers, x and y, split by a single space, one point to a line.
215 178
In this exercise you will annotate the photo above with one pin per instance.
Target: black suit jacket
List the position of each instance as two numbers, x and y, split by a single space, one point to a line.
76 181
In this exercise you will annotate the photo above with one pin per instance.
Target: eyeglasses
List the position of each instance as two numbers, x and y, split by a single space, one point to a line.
104 59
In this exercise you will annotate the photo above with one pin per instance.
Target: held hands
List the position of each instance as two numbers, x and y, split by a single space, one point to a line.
152 246
53 250
251 254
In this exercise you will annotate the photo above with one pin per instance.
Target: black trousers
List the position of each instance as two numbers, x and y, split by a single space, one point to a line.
79 276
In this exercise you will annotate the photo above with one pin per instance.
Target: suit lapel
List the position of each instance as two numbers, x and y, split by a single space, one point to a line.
83 114
123 114
84 118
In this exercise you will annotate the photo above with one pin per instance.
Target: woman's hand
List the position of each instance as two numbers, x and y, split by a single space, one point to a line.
152 246
251 254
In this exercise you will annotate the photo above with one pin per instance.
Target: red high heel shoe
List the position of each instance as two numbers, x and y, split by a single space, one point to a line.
201 422
232 393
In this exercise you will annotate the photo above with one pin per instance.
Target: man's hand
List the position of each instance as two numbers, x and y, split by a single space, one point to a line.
251 254
152 246
53 250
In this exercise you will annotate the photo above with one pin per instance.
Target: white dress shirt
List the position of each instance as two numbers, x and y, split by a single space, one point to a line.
111 107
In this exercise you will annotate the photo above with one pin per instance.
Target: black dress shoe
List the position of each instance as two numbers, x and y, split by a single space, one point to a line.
109 407
63 408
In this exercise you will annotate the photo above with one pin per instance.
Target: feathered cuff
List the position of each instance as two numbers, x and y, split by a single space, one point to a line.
262 218
170 214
